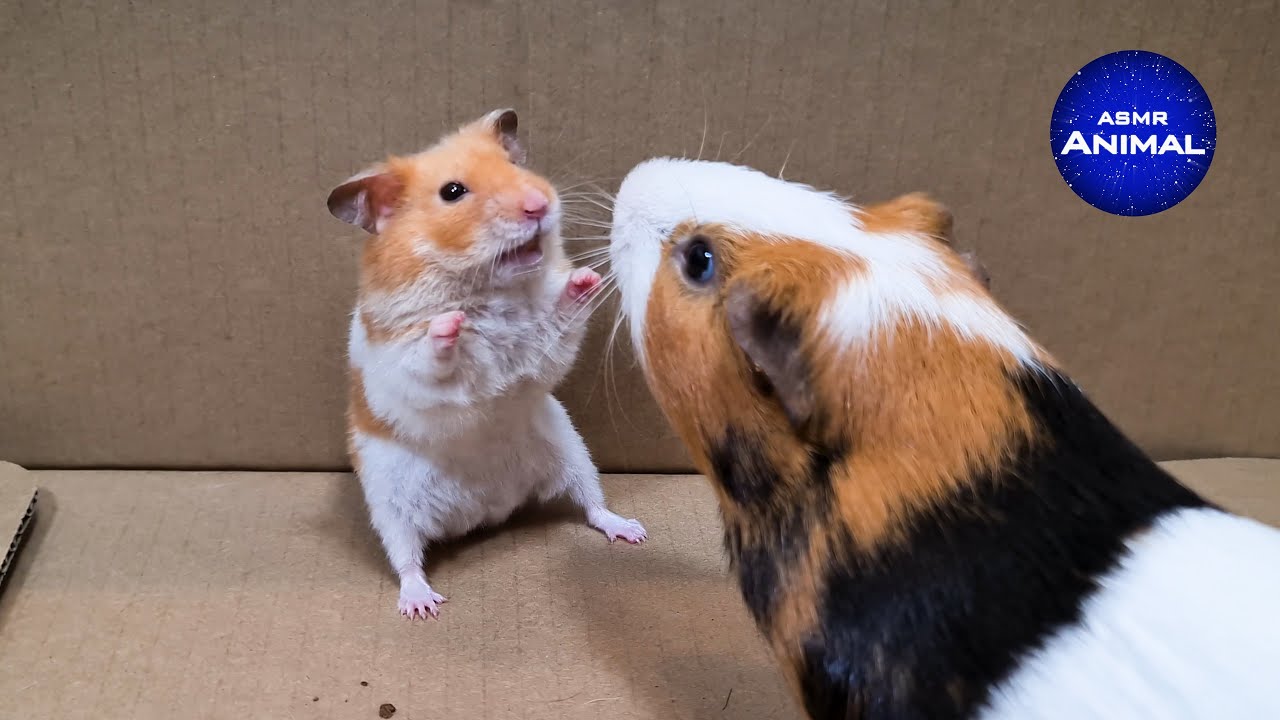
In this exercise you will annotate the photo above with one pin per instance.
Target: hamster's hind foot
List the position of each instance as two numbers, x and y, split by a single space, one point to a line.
615 526
418 600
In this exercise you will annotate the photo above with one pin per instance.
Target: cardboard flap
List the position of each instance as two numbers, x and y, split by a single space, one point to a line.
17 506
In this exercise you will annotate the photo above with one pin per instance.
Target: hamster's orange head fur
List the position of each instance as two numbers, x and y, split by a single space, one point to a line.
770 315
465 205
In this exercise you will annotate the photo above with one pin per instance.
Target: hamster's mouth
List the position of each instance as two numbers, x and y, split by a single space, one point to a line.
523 256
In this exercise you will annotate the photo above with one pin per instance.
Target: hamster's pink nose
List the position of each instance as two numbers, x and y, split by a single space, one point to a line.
535 205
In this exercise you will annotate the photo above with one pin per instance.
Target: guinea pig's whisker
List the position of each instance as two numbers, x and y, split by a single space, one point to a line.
786 160
612 396
566 189
750 142
703 142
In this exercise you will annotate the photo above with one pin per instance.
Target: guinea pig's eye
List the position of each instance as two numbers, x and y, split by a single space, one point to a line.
699 261
451 191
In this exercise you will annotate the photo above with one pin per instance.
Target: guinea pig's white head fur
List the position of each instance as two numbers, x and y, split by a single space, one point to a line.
770 309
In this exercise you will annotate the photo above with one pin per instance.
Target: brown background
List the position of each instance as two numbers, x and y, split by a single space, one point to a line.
174 294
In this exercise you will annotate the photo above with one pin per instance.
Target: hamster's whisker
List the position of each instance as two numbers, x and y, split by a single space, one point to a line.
588 307
595 191
592 253
590 200
589 255
590 225
564 191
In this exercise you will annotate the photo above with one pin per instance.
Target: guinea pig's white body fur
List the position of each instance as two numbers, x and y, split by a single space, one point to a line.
1186 624
1185 628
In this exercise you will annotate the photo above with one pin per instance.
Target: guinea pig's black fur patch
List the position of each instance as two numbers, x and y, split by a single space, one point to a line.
767 500
930 625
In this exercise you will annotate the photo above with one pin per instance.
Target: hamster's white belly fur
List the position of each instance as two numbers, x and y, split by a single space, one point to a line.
471 447
1144 649
477 478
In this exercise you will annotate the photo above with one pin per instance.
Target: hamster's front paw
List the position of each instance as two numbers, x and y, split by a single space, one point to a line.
582 285
445 328
418 600
615 526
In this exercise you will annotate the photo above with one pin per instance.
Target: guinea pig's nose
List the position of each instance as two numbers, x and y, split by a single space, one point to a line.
535 205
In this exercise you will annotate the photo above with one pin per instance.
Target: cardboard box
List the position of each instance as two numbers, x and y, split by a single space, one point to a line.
17 509
173 293
174 296
265 595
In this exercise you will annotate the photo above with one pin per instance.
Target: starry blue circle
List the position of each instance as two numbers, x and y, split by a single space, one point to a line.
1133 81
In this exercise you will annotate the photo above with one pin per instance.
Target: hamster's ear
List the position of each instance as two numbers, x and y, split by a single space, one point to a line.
770 339
503 123
367 200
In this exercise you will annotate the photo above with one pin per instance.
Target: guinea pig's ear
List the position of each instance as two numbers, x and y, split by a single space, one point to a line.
770 339
367 200
913 212
503 123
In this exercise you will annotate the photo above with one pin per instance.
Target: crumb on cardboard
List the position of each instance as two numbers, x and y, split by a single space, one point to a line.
386 710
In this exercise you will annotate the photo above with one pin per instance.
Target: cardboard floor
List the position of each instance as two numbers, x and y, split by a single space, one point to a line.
264 595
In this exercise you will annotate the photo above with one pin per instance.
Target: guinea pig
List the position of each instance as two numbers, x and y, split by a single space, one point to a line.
926 517
468 315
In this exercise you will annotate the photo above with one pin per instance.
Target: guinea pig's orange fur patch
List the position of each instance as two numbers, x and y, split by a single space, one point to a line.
926 410
691 320
687 382
921 410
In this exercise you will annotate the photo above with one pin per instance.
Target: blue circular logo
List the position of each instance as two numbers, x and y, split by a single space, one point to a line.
1133 133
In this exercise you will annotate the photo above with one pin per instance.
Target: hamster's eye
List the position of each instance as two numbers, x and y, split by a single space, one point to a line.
699 261
451 191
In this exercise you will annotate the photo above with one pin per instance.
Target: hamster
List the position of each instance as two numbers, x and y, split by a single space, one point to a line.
468 315
927 518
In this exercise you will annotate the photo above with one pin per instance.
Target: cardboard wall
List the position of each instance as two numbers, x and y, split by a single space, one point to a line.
174 294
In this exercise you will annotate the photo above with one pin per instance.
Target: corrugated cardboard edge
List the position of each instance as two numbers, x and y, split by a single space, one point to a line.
18 495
